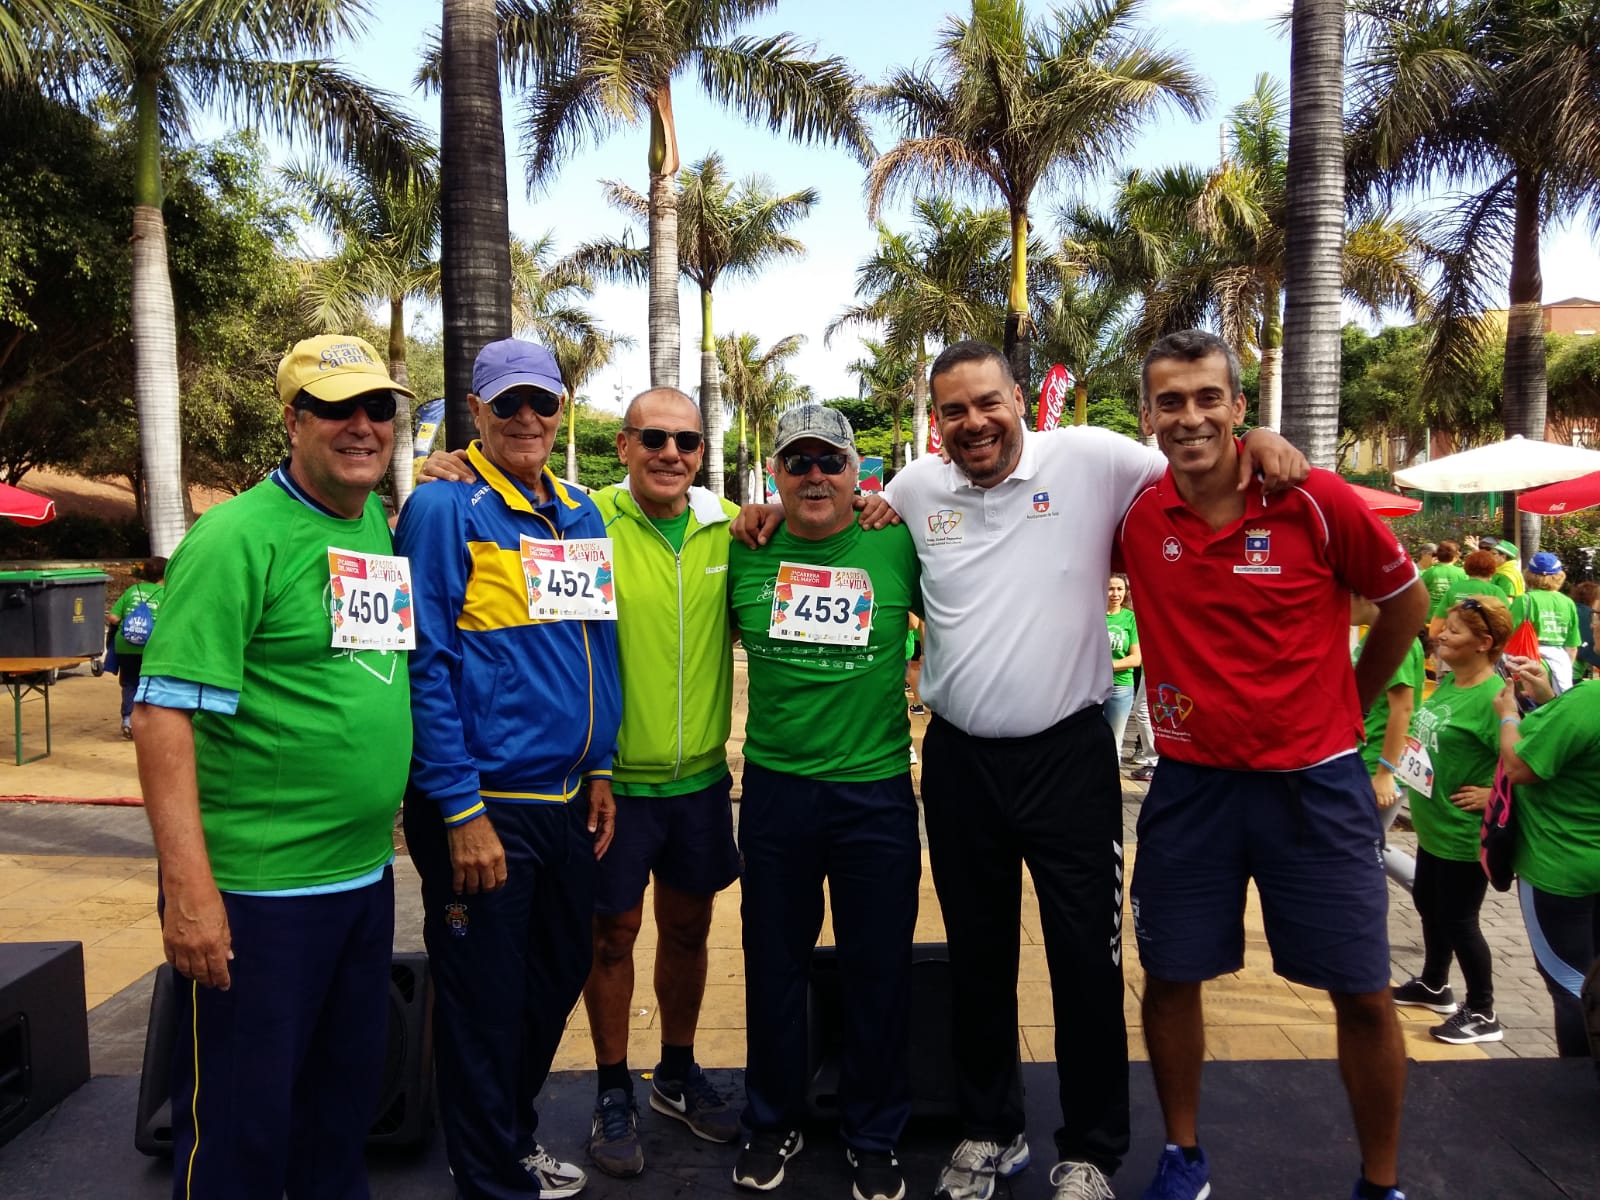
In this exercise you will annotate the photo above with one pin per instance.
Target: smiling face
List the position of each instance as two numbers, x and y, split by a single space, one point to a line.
1116 594
338 462
1462 641
660 479
980 419
815 505
1191 414
520 444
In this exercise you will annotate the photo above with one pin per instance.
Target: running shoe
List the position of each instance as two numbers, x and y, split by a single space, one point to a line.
614 1135
875 1175
1179 1179
697 1104
1080 1181
1413 993
973 1165
1393 1193
1466 1027
1143 773
554 1178
760 1163
918 710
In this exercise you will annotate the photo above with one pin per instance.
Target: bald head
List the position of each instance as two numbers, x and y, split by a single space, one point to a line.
661 399
659 478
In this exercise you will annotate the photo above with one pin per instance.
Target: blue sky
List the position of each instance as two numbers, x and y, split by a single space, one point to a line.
1228 41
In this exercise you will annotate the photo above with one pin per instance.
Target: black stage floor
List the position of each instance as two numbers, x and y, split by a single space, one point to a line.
1495 1130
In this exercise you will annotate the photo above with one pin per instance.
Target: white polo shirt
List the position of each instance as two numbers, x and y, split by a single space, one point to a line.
1014 577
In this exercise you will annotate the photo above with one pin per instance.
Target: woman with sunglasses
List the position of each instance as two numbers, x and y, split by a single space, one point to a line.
1448 767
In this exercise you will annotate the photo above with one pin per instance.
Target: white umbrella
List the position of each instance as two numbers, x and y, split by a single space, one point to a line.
1506 466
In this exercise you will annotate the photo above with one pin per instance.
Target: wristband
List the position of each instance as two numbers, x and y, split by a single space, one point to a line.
1511 720
1384 762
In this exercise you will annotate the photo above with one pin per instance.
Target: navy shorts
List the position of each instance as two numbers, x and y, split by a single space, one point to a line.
1313 842
686 840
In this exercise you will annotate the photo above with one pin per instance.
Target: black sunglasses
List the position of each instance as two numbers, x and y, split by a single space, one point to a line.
379 406
509 402
653 439
832 463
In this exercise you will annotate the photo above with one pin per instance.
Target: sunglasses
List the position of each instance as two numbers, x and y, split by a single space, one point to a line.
379 406
832 463
687 440
509 402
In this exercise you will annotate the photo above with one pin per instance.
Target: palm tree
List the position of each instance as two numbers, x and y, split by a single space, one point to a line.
388 236
760 387
73 26
595 65
1010 104
476 223
1086 328
158 60
945 280
726 229
886 384
1314 230
1495 97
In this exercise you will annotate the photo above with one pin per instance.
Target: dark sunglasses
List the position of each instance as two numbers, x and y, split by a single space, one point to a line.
688 440
509 402
832 463
379 406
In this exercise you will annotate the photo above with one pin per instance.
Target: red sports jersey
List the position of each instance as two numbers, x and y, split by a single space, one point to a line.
1245 632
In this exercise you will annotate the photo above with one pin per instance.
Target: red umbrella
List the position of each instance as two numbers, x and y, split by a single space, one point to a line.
1387 504
25 508
1557 499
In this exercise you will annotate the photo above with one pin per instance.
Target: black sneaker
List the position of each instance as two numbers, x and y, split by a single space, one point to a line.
1467 1027
760 1162
1413 993
876 1175
697 1104
614 1135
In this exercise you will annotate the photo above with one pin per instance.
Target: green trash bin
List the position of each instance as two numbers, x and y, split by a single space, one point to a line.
52 613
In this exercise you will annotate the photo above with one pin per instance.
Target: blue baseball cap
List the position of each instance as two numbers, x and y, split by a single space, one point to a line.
1544 563
511 363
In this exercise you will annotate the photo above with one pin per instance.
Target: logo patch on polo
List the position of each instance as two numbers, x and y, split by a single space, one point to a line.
455 919
1257 550
944 527
1172 549
1169 707
1041 507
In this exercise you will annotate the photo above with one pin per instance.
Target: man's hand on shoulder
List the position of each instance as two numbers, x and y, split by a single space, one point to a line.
195 933
477 859
451 465
876 512
755 524
1279 463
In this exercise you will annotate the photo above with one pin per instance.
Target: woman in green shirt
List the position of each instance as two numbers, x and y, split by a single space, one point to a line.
1124 657
1448 767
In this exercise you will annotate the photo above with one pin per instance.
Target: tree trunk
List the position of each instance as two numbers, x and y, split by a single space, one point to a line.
710 398
572 439
741 491
475 247
154 329
1315 230
665 326
1269 410
919 401
1018 325
404 445
1523 390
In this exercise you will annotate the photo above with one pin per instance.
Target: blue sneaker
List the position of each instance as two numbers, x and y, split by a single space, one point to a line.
1179 1179
1393 1193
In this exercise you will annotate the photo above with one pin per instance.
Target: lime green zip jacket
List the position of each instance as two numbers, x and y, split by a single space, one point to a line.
674 644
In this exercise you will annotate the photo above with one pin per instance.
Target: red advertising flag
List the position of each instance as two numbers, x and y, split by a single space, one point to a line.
934 440
1053 397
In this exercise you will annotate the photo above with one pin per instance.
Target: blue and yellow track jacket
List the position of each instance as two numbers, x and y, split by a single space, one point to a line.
504 708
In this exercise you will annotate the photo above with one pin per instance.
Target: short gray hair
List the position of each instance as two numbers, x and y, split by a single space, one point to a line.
1188 345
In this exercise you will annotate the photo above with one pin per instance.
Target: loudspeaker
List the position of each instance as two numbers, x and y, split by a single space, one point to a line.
44 1030
405 1109
933 1071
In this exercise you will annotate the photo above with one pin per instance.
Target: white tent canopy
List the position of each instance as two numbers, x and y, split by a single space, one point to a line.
1506 466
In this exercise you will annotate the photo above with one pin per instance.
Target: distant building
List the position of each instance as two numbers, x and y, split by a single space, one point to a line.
1574 316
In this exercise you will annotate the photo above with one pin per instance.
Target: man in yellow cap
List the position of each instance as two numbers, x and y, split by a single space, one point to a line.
273 729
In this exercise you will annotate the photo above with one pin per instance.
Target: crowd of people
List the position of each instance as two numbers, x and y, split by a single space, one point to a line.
542 681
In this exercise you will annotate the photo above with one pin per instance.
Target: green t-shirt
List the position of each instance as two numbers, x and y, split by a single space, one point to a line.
1124 637
1558 818
1554 617
148 593
1439 578
674 529
1408 674
820 710
1460 730
1462 588
299 787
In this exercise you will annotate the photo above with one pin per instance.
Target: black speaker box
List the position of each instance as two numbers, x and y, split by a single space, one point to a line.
405 1110
44 1030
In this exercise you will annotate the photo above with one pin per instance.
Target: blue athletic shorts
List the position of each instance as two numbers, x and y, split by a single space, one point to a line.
686 840
1313 842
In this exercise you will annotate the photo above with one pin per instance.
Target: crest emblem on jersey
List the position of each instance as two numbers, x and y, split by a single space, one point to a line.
1257 546
455 919
1171 549
944 521
1041 502
1170 707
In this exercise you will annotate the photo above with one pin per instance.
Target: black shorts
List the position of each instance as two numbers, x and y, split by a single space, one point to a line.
686 840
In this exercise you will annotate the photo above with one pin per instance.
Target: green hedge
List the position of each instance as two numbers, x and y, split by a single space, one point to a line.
74 536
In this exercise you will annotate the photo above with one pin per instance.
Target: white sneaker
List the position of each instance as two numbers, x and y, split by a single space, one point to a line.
556 1179
973 1165
1080 1181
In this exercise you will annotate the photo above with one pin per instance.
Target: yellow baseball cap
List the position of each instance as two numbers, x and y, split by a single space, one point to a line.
333 367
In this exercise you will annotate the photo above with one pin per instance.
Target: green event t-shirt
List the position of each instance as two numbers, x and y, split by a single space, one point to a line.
1558 818
818 710
148 593
1554 617
1461 589
299 787
1461 733
1410 673
674 529
1439 578
1124 633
